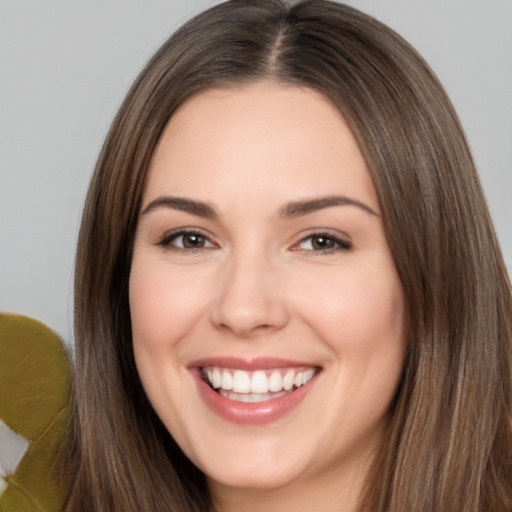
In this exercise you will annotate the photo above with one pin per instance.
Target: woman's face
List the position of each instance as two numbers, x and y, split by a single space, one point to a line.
261 269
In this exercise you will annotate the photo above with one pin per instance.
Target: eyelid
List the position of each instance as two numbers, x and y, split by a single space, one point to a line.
168 237
343 242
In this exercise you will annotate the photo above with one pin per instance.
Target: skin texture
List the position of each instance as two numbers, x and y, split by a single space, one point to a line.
262 286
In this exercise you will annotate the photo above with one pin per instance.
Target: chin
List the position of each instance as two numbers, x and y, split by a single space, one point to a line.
252 477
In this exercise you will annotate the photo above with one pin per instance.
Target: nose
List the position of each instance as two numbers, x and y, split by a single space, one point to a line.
249 301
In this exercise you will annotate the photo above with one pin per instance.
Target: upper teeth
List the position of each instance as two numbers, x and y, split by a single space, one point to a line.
260 381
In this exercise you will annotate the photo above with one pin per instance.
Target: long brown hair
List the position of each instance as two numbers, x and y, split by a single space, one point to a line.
448 442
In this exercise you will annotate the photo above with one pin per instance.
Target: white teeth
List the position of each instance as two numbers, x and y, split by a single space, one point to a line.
288 380
250 397
241 382
275 382
227 380
216 378
259 383
307 376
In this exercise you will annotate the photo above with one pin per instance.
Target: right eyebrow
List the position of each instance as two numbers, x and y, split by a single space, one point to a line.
198 208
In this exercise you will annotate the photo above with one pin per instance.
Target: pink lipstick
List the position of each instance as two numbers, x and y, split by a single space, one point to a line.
254 392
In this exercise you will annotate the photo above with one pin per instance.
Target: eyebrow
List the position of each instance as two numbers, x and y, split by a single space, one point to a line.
198 208
299 208
293 209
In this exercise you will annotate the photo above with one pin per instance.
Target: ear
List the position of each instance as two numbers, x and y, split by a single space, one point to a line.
35 381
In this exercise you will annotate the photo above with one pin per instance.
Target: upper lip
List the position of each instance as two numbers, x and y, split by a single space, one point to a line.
258 363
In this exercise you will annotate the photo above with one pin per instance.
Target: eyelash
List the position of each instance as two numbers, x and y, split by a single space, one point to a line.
168 239
338 244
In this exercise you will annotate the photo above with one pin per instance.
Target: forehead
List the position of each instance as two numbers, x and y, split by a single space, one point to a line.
264 135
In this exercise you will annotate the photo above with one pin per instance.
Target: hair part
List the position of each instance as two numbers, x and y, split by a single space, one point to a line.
448 443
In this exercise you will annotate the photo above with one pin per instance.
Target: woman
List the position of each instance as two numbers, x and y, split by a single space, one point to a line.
286 200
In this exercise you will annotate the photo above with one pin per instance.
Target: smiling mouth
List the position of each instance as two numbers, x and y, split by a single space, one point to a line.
256 386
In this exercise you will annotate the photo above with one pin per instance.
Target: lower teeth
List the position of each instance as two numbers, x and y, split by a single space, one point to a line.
251 397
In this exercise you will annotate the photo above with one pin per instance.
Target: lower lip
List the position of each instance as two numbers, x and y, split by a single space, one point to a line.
258 413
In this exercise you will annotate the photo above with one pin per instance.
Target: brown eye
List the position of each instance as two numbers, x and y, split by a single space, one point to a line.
186 240
323 242
320 243
193 241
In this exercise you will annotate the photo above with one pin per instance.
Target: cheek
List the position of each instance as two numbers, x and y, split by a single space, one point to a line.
362 320
355 305
165 306
360 316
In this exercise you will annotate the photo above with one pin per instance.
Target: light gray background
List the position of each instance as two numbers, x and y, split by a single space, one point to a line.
65 66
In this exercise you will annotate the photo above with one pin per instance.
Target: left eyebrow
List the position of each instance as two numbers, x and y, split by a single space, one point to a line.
298 208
